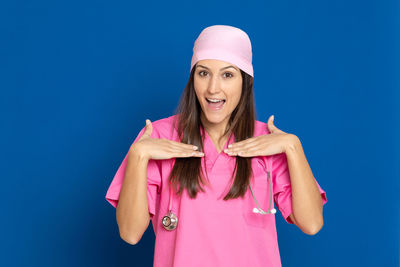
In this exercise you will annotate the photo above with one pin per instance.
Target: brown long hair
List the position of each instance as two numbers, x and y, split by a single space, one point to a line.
187 172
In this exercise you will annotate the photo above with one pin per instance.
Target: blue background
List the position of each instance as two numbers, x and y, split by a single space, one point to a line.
79 78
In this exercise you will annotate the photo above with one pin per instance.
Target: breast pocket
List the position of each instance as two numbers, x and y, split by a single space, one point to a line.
261 190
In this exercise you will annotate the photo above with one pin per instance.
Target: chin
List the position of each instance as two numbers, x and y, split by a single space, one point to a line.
215 118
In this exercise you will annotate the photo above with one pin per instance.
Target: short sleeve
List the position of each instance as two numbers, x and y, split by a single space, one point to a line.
282 186
153 179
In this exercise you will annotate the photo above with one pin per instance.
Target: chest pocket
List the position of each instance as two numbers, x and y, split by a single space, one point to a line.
261 191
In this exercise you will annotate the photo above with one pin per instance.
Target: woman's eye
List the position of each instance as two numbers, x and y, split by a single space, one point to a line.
200 72
204 73
229 74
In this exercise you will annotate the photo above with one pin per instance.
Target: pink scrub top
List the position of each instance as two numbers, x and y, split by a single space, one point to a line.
211 231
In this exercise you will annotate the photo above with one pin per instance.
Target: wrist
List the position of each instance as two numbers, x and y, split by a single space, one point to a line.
292 144
138 153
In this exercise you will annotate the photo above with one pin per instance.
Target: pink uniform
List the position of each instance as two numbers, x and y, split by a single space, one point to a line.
211 231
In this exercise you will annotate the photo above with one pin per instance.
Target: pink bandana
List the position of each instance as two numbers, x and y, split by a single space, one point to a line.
226 43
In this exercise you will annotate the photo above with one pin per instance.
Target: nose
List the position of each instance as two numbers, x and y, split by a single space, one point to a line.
213 86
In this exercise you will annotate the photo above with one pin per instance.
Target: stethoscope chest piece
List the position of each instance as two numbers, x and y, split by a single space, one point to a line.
170 221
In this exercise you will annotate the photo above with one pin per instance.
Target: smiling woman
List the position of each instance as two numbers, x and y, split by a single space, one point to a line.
215 206
217 90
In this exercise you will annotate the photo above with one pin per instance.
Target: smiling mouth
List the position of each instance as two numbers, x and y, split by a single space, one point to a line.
222 100
216 105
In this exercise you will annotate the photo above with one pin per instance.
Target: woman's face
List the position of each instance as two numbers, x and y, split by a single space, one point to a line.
213 80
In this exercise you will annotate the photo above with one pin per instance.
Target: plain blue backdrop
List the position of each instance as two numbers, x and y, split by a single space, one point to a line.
79 78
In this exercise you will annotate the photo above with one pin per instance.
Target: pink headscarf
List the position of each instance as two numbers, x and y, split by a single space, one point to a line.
226 43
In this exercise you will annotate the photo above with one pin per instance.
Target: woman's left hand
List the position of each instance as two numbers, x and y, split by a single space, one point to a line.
263 145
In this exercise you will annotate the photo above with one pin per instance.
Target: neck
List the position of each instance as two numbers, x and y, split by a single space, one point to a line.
215 130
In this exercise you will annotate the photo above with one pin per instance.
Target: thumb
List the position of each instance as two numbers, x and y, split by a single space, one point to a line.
149 128
270 124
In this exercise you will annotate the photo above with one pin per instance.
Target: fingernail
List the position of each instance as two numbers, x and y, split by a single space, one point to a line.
147 122
230 145
195 147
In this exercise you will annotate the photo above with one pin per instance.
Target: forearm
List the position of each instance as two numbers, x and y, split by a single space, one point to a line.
132 210
306 198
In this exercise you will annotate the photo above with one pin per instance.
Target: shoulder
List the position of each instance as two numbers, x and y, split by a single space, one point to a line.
165 127
260 128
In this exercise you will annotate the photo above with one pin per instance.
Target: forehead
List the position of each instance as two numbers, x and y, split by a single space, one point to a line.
215 64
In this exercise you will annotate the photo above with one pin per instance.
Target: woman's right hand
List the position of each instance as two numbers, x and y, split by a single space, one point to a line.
161 148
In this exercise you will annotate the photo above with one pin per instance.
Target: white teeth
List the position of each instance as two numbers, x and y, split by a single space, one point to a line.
214 100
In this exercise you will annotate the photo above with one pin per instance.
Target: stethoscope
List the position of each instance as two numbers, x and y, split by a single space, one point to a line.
170 221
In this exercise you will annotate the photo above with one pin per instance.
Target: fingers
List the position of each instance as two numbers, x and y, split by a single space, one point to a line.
186 153
196 154
250 147
179 149
182 145
244 143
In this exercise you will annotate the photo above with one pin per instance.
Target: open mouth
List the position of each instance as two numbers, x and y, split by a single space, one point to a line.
215 104
214 100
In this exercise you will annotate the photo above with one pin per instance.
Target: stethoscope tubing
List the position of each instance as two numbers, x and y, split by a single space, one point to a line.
259 210
170 221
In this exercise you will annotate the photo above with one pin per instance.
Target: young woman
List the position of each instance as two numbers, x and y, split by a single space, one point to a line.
208 177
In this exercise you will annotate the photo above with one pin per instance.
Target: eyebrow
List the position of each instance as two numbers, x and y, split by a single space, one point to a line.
230 66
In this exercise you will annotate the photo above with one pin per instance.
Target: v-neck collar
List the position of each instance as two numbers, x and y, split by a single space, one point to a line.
214 146
211 152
